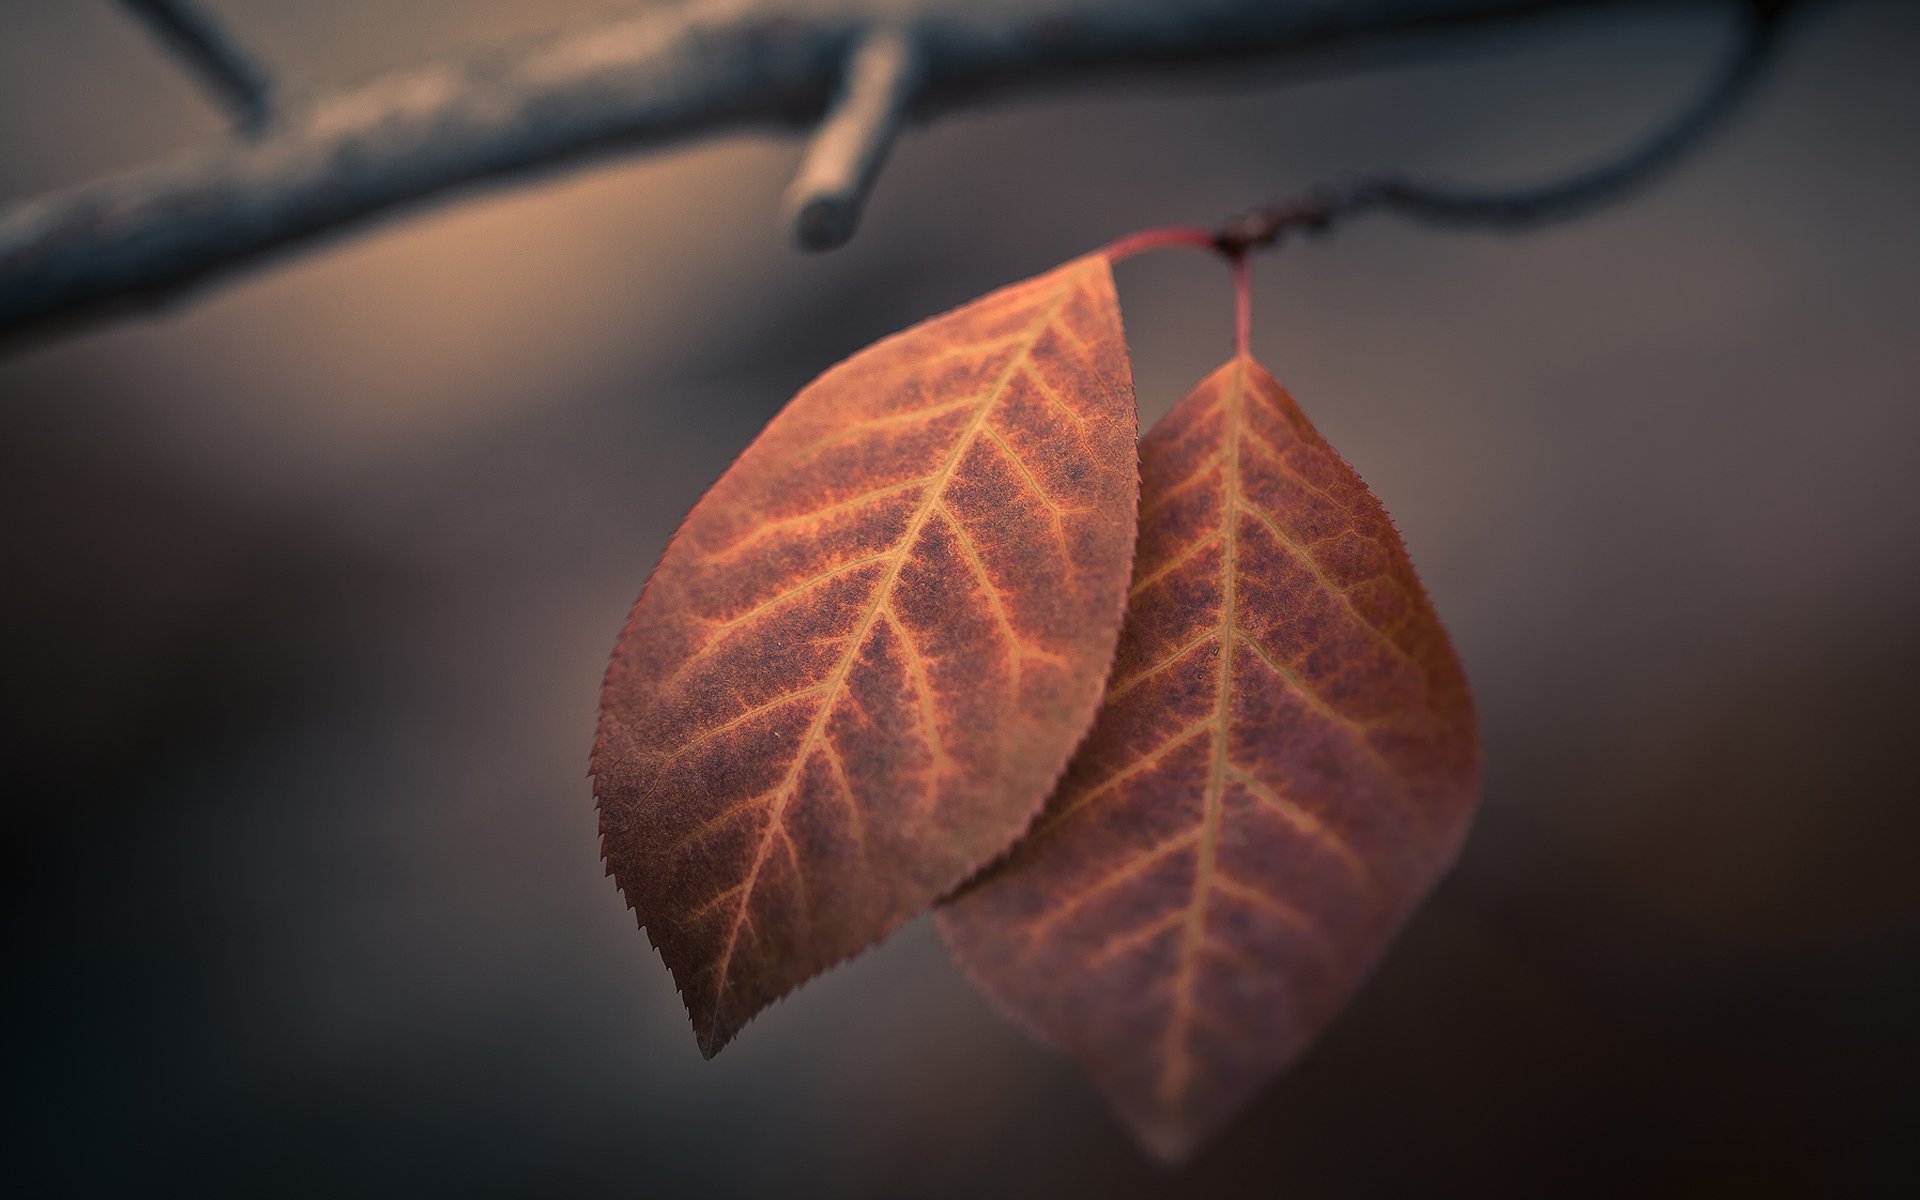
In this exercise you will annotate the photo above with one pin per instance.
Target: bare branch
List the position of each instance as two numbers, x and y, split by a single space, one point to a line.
1558 200
664 74
823 204
211 56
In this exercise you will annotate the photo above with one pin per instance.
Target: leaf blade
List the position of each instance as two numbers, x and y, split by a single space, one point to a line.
1285 763
907 588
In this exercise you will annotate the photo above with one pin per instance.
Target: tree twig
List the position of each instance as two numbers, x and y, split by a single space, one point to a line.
1521 208
665 73
843 159
211 56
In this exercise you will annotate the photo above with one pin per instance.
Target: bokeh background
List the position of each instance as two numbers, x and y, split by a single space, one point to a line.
307 585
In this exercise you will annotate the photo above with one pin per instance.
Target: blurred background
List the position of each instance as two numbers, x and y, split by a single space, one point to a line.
309 583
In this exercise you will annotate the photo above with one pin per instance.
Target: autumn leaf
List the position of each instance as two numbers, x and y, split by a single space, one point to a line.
866 657
1285 763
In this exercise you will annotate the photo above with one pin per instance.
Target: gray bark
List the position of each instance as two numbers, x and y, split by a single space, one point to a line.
667 73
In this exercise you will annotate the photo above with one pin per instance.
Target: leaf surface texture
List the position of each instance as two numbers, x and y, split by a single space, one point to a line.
867 655
1285 763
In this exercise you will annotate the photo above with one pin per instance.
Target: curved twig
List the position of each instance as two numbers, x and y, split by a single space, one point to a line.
1322 208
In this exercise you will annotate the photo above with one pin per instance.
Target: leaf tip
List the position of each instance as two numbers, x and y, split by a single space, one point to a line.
1169 1143
710 1032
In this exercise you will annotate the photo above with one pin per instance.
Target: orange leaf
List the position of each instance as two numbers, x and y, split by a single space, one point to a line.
867 655
1285 763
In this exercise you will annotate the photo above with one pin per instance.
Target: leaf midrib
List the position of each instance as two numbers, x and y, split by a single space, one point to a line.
1173 1075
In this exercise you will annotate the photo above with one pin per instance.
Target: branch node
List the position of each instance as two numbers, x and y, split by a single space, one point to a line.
823 203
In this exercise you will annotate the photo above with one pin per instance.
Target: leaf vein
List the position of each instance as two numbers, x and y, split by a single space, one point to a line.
1134 867
1306 823
1167 663
1317 702
1145 761
713 731
916 669
904 549
766 529
1170 566
1306 559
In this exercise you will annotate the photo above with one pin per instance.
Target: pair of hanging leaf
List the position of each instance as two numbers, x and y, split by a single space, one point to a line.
1172 795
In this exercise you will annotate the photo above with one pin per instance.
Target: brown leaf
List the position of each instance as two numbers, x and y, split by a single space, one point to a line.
867 655
1285 763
